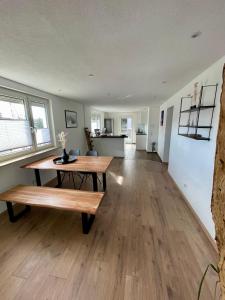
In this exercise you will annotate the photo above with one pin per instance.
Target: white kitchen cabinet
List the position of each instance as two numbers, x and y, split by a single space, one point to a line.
141 141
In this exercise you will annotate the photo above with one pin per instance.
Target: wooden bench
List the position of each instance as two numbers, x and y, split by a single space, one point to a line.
84 202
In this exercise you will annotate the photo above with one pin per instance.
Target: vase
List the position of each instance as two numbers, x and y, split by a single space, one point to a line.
65 156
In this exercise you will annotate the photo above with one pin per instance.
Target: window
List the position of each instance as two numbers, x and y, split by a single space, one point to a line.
40 124
95 122
24 124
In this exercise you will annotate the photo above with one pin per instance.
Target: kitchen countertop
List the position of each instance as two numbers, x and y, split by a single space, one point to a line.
110 137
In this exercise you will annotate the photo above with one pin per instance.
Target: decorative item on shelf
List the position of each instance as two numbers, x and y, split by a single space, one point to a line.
193 105
194 99
62 140
195 135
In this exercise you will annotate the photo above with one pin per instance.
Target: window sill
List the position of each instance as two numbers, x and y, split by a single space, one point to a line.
16 159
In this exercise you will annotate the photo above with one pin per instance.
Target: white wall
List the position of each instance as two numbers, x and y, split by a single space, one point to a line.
142 118
153 127
168 131
191 162
11 175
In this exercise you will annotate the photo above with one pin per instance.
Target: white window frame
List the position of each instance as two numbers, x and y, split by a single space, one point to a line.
98 116
28 99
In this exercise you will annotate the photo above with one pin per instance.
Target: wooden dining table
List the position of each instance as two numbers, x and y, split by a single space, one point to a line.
86 164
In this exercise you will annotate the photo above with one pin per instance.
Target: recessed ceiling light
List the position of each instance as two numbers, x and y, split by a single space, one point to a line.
125 97
164 81
91 75
196 34
128 96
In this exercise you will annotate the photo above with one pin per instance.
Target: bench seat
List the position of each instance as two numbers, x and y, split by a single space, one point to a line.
66 199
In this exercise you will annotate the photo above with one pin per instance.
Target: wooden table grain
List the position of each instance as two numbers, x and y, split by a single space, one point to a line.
89 164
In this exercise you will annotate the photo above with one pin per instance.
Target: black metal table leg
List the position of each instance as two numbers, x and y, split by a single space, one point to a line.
104 181
59 179
87 222
37 176
95 182
12 217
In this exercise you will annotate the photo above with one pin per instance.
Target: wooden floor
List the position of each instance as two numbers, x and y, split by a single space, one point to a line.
144 244
132 153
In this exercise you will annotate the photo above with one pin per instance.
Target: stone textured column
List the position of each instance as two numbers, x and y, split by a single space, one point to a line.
218 197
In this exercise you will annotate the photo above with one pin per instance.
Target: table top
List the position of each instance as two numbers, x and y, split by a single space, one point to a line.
110 137
83 164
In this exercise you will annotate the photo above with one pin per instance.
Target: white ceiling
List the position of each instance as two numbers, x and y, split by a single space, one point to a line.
131 46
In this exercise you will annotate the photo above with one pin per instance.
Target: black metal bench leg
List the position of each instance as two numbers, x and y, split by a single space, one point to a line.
37 176
59 179
104 181
95 182
87 221
12 217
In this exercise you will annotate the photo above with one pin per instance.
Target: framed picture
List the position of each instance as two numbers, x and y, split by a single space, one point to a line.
162 118
71 119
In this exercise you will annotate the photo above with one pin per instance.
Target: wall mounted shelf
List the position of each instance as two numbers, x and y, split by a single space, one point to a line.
195 137
194 117
190 126
197 108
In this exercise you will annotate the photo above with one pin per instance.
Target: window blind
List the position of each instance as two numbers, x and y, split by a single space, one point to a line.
15 130
14 134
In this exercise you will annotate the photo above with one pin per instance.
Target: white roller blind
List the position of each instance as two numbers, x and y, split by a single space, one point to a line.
14 134
43 136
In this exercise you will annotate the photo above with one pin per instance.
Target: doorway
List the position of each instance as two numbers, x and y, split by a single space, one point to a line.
168 131
127 129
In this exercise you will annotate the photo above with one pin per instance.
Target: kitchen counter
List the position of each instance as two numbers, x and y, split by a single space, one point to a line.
110 145
141 140
110 137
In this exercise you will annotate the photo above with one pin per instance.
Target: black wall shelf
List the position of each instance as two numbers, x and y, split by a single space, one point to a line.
195 134
190 126
195 137
197 108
